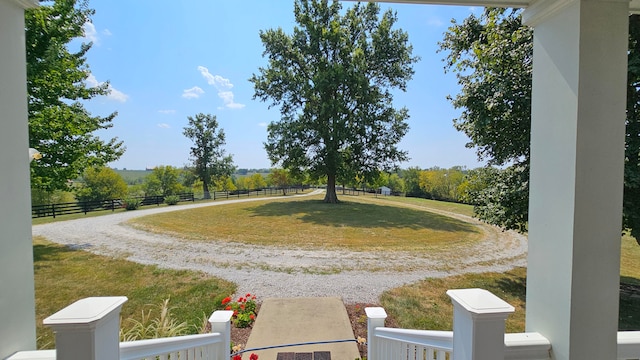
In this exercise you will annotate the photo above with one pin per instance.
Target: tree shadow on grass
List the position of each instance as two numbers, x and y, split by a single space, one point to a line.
360 215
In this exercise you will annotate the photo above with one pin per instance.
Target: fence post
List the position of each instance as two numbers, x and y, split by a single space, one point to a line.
375 318
220 322
53 210
88 329
478 324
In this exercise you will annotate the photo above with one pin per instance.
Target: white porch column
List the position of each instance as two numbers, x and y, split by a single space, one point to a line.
17 301
577 158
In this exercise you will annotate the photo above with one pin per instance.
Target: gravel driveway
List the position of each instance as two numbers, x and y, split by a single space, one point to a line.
279 272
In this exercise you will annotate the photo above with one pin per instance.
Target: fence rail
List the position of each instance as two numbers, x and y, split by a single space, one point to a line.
78 207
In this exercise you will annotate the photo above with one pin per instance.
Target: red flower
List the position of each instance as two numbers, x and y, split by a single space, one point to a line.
237 357
226 300
248 295
235 312
228 308
240 300
242 306
252 317
253 356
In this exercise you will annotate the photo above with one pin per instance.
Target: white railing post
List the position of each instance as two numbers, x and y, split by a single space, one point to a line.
478 324
375 318
220 322
88 329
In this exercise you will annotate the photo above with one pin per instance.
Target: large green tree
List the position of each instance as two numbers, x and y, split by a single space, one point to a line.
492 56
59 125
332 78
100 184
210 164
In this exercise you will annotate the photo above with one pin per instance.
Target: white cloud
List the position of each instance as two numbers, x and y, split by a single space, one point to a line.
114 94
223 86
164 126
216 80
192 93
435 22
262 124
106 32
117 95
90 32
167 111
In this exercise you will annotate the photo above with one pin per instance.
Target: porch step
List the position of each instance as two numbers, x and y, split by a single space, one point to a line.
299 320
316 355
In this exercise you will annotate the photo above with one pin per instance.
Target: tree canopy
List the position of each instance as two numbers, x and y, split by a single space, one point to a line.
492 56
332 78
59 125
210 164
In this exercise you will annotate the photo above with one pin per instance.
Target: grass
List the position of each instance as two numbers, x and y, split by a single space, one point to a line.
462 209
357 223
63 276
425 305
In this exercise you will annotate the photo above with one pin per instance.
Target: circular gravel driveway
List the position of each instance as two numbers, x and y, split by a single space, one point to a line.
279 272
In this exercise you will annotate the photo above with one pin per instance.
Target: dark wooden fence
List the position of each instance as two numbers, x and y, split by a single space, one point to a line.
79 207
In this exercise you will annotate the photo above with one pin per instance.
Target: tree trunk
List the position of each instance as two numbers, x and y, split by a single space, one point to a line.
330 196
205 189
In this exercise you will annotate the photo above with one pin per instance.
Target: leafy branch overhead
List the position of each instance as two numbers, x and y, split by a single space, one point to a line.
332 79
59 125
492 55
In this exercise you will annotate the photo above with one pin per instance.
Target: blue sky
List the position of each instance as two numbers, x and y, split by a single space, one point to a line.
167 60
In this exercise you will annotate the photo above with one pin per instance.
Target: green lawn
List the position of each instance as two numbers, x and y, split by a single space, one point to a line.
63 276
356 223
425 305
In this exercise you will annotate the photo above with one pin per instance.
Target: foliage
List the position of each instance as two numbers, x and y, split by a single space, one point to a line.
492 55
164 325
131 203
101 184
441 184
42 197
244 310
280 178
257 182
163 180
59 125
332 79
225 183
411 177
631 212
171 199
209 160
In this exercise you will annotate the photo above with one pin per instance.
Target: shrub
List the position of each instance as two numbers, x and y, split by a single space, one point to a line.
131 203
172 199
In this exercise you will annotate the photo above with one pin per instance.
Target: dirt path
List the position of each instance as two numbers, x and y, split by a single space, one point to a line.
277 272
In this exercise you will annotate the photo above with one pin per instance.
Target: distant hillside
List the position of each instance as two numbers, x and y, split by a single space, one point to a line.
133 177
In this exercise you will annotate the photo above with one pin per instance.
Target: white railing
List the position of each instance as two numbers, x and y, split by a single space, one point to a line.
628 345
192 347
478 333
88 329
412 344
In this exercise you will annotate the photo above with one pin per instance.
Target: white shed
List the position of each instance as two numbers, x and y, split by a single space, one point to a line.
385 191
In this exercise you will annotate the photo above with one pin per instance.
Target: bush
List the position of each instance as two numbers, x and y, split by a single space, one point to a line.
171 199
131 203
